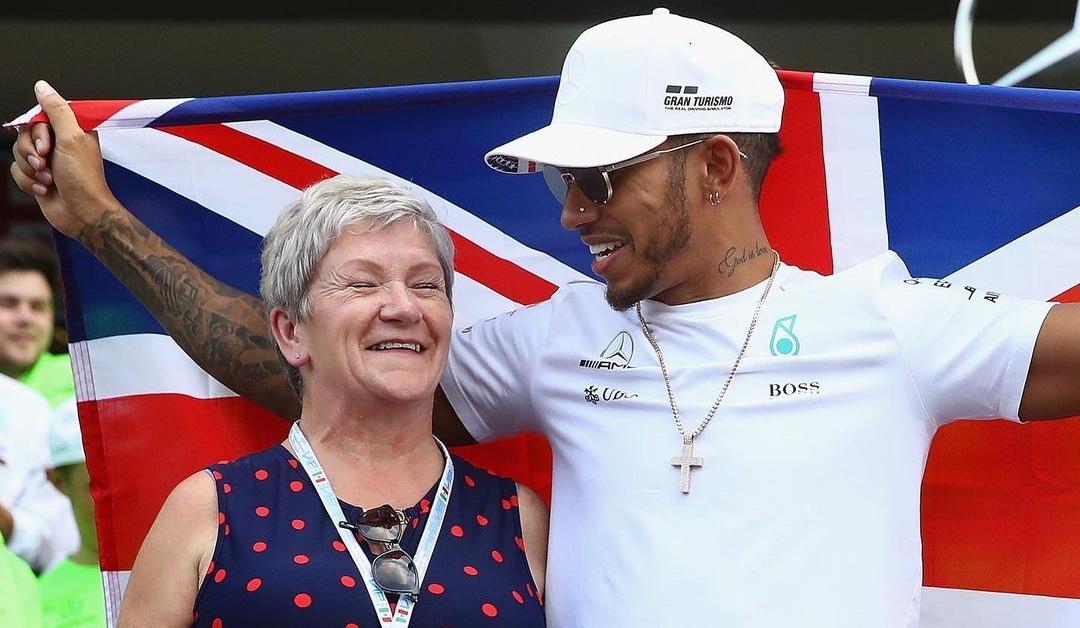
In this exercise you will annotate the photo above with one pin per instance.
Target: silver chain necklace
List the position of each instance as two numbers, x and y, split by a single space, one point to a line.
687 460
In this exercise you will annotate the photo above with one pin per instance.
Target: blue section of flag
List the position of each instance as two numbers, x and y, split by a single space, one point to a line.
217 245
441 145
962 180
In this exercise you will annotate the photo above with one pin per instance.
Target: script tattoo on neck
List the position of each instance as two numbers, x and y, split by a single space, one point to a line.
733 258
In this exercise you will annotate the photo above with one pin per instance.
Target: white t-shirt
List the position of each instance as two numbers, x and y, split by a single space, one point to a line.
806 510
45 532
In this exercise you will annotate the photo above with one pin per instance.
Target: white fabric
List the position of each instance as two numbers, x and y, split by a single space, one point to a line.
44 533
638 80
806 511
65 436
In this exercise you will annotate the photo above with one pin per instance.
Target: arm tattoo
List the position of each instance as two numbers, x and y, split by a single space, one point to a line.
223 329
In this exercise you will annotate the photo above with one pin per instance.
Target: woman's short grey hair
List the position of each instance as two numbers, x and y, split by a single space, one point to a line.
305 229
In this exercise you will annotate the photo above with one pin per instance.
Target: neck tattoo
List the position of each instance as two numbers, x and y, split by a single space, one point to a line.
687 460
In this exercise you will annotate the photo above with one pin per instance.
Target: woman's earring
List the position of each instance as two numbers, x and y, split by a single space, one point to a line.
714 198
581 210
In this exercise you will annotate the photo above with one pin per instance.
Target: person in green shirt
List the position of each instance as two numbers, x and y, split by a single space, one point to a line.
72 595
29 291
19 601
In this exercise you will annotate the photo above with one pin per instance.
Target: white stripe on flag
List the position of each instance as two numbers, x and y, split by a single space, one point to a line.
960 608
151 364
141 113
115 582
842 83
1040 264
453 216
221 184
853 179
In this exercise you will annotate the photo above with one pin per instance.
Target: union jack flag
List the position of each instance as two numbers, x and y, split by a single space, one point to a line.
976 185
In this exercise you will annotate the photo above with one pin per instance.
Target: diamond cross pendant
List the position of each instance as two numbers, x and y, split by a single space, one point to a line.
686 461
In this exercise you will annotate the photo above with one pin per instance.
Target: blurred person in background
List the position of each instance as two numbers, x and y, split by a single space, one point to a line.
19 604
29 292
72 595
36 521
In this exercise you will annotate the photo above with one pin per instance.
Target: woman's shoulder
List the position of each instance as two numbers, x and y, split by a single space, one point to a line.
260 464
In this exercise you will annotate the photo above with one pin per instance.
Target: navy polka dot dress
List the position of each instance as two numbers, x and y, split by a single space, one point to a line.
280 562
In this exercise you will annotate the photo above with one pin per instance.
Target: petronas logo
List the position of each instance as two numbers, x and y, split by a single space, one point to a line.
784 341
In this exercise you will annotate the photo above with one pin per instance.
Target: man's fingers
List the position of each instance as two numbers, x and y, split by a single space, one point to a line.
61 117
24 182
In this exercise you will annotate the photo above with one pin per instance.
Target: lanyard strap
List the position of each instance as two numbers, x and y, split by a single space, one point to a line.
403 614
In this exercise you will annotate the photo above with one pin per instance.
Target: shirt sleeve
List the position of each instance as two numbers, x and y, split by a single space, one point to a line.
488 378
44 533
968 349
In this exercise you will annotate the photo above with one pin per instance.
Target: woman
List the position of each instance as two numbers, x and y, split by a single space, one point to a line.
356 280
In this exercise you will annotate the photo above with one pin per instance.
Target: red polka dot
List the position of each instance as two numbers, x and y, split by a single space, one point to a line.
482 520
470 570
227 488
210 568
259 546
219 576
469 481
254 584
296 486
506 504
514 500
302 600
217 475
489 610
425 505
292 463
517 597
348 581
339 546
217 623
300 559
436 588
457 531
262 511
298 524
220 518
415 522
520 542
261 474
528 587
351 625
497 556
227 530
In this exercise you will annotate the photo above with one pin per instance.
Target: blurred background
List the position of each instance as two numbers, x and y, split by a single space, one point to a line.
208 50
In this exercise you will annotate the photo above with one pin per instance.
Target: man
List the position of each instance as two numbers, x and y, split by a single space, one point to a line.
71 593
28 291
746 449
35 519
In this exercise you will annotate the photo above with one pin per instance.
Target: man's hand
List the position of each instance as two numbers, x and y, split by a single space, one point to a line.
68 178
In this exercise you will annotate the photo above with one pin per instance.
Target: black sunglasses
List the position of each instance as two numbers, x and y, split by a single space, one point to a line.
393 569
594 182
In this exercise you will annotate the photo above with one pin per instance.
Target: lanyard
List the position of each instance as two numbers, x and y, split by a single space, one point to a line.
314 470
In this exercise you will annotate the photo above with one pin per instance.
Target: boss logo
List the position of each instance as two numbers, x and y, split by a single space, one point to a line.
798 388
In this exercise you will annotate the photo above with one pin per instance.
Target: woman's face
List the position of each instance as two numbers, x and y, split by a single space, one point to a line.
380 317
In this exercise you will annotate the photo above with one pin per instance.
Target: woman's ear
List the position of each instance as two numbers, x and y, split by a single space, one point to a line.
287 335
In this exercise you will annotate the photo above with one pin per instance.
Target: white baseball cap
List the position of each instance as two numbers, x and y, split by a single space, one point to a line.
629 84
65 438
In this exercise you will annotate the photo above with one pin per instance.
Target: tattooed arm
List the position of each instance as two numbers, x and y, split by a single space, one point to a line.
221 328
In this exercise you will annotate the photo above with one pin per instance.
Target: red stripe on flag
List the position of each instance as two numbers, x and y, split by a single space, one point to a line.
90 113
1001 505
499 274
794 205
131 479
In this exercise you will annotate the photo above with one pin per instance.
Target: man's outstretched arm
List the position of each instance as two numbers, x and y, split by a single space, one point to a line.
221 328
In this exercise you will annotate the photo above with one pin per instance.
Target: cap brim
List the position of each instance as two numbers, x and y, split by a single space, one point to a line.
569 146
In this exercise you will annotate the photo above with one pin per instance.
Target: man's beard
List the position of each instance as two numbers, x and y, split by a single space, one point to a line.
672 237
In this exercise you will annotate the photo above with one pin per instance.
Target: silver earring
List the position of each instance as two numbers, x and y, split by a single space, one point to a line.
714 198
581 210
